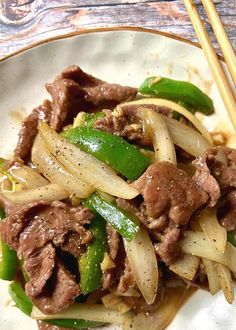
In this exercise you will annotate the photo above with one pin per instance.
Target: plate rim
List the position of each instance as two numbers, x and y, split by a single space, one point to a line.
78 32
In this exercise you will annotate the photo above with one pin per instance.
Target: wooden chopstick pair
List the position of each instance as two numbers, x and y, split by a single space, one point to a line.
221 79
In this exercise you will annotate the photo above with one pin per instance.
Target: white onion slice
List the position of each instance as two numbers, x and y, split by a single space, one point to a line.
115 302
143 262
197 244
83 165
186 137
160 318
210 269
27 176
91 312
216 234
162 140
176 107
226 282
50 192
56 173
186 266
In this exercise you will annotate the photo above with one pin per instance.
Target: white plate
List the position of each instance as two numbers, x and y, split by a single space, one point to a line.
121 56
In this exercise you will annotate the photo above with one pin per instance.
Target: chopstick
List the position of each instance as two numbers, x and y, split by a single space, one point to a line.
222 82
221 37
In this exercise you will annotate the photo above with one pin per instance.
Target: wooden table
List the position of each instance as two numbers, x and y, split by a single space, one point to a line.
57 17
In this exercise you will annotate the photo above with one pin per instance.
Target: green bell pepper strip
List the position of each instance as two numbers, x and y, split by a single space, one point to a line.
25 274
9 262
22 302
124 223
19 297
89 262
178 91
91 118
74 324
231 238
110 149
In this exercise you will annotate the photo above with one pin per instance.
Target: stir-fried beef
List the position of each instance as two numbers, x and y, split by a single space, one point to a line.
72 91
170 191
127 279
59 292
139 210
39 266
126 121
108 278
120 124
205 179
227 212
117 254
66 96
35 230
113 240
168 249
29 129
160 228
97 91
170 197
74 242
18 218
216 172
51 224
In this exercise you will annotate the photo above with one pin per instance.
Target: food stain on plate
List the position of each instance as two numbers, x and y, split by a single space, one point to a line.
195 76
17 115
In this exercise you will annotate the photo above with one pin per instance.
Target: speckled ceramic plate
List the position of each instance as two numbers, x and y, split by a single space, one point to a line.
125 56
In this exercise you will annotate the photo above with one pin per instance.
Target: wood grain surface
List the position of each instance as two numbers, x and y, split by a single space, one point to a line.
57 17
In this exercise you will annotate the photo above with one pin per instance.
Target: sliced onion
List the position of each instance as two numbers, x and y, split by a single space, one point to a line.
213 280
231 142
143 262
83 165
79 119
90 312
49 193
149 154
226 282
216 234
107 263
115 302
160 318
186 266
186 137
27 176
49 166
197 244
162 140
131 292
175 107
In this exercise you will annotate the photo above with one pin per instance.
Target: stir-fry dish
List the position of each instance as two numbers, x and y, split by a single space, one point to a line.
117 205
